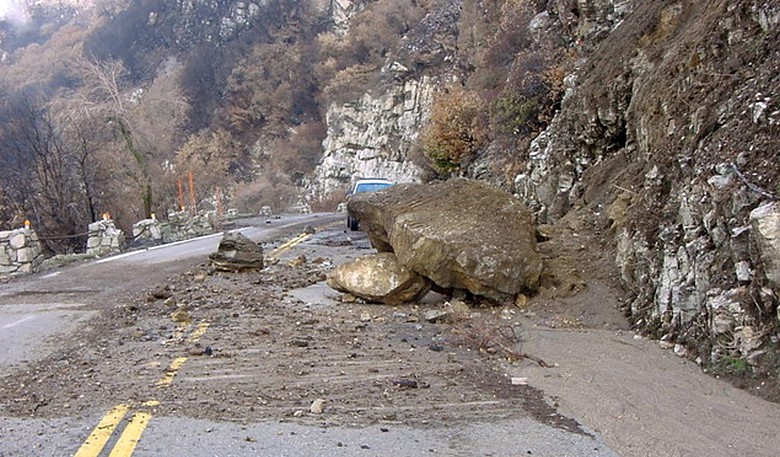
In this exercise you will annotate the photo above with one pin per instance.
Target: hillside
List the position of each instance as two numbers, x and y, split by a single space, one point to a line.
652 126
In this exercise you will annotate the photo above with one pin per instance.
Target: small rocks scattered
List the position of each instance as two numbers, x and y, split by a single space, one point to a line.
436 315
200 351
181 315
406 383
161 293
317 406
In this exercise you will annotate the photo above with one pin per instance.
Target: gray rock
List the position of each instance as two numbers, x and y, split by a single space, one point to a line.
317 406
105 238
460 234
237 253
379 278
765 223
436 315
372 136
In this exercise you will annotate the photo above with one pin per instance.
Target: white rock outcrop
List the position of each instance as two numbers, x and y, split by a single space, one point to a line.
765 225
372 136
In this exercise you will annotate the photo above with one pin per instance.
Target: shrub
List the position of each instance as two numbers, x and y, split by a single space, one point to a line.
265 191
456 130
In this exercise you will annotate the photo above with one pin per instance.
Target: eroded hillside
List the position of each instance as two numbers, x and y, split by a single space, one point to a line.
669 141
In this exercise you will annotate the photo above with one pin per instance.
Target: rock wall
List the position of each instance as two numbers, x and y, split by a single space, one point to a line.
105 238
668 137
372 136
180 226
21 252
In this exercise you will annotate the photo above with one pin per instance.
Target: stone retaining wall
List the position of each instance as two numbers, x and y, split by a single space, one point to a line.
20 252
180 226
105 238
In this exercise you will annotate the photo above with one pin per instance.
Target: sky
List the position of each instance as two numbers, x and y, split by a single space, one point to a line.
13 11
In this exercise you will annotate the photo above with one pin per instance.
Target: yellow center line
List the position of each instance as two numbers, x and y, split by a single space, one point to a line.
170 373
276 253
180 330
199 332
97 440
127 442
290 243
131 435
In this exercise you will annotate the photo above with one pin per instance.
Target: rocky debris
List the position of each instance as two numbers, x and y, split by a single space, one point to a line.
21 252
678 186
317 406
198 350
105 238
181 315
460 234
160 293
436 315
237 253
379 278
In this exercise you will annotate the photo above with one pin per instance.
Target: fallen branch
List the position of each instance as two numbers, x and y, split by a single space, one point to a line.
515 355
491 336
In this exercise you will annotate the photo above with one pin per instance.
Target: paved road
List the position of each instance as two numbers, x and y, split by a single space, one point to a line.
36 310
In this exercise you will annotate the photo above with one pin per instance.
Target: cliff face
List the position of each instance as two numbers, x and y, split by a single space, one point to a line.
668 139
372 137
374 134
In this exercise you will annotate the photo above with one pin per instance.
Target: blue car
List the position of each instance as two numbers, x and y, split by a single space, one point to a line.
365 185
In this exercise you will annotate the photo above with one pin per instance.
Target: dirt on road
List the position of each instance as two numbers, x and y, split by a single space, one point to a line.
269 345
278 345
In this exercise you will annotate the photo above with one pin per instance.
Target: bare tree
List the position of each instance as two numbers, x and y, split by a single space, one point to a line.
38 173
146 119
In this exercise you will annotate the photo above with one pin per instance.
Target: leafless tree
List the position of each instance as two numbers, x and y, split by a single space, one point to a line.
147 120
38 173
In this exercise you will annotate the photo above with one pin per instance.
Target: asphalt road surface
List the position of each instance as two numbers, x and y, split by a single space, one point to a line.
39 311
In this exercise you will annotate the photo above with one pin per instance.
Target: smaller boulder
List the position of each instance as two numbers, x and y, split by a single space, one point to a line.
237 253
379 278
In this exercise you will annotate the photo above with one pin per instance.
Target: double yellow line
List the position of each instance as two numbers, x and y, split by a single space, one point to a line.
276 253
131 435
95 443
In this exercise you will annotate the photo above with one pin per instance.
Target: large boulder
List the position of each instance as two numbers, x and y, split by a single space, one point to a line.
237 253
379 278
460 234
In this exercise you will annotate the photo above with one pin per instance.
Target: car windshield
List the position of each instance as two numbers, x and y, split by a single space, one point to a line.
371 186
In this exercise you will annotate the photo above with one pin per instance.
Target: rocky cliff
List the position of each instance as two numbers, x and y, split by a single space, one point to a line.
666 140
372 136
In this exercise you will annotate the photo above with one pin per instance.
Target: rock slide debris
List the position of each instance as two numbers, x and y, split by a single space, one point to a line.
379 278
460 234
237 253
